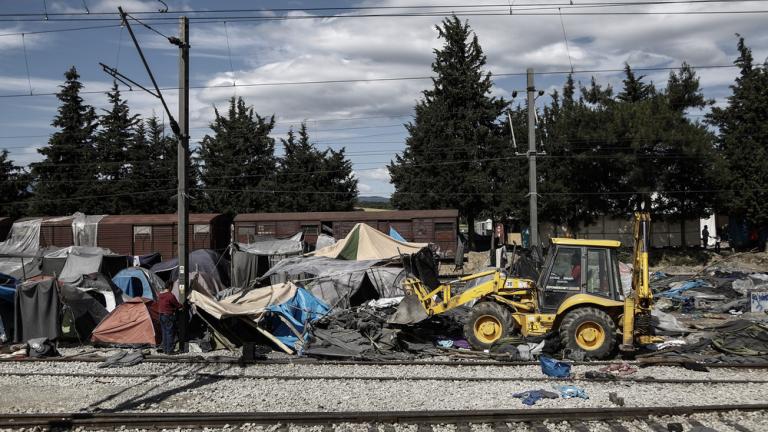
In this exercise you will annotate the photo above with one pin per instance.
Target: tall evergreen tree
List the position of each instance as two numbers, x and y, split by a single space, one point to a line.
743 140
237 163
161 149
635 90
455 125
314 180
14 187
113 142
66 172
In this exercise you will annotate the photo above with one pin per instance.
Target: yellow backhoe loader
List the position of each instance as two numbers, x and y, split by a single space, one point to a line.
578 294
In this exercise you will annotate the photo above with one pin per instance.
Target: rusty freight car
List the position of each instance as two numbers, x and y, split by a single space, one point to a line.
145 233
54 230
427 226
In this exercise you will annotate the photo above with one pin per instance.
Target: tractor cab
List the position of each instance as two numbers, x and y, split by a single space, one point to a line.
579 266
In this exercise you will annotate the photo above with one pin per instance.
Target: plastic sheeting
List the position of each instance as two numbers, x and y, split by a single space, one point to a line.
202 282
301 310
290 246
37 310
323 241
85 229
23 240
342 283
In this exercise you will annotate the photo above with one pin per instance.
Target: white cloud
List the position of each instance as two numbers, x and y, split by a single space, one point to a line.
379 174
364 188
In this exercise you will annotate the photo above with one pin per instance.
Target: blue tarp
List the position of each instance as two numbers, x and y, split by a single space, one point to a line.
677 293
7 287
302 309
396 235
134 283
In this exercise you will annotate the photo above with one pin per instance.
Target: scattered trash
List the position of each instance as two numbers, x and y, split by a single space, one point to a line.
445 343
613 397
553 368
572 391
596 375
530 397
620 369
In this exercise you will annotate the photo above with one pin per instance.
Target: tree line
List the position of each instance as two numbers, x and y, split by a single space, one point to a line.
118 163
607 151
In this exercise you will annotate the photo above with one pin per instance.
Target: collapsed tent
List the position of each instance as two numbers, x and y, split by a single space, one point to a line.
202 260
250 304
138 282
86 302
135 322
250 261
367 243
342 283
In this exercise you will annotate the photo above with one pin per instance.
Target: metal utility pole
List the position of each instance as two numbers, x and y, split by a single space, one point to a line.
182 151
532 159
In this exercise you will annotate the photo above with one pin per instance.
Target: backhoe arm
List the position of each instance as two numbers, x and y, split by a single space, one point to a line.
636 324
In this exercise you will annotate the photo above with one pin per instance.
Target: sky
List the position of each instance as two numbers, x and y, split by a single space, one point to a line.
275 64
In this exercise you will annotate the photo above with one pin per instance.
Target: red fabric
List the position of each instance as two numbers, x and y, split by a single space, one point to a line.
576 272
167 303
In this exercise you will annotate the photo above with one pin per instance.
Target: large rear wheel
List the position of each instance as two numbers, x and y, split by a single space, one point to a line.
487 323
589 330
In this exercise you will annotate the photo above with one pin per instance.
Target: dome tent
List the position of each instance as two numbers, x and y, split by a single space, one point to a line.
138 282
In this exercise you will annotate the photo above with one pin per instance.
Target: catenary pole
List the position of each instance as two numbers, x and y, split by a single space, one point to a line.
532 159
182 171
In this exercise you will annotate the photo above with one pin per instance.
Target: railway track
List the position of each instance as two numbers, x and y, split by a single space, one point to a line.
502 420
307 361
216 376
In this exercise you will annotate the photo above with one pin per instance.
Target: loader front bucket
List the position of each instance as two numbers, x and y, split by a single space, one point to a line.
409 311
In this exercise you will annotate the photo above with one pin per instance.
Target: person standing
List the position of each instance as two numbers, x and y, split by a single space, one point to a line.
705 236
167 306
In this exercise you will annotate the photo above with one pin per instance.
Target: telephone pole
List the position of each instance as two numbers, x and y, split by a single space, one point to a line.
182 151
532 160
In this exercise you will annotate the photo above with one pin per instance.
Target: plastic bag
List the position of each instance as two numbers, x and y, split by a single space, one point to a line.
553 368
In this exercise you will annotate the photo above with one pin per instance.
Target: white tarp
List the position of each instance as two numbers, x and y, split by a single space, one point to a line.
85 229
23 240
289 246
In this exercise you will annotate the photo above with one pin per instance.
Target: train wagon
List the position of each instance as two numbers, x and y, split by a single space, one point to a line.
426 226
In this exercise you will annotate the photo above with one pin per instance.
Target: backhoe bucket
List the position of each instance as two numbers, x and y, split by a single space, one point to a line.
409 311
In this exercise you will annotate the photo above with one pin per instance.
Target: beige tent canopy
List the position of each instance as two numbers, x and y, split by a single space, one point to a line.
252 303
367 243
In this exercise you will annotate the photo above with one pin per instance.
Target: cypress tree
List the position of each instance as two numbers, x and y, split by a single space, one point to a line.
66 173
237 162
14 187
453 132
743 140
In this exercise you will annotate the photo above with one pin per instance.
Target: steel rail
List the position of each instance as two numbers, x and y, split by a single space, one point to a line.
311 361
154 420
196 375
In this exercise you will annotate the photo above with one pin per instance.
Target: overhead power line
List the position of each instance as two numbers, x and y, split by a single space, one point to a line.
386 79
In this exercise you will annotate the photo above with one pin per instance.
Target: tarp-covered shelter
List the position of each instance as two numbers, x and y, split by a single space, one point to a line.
251 260
139 282
367 243
249 303
135 323
201 282
342 283
202 260
69 263
19 254
37 309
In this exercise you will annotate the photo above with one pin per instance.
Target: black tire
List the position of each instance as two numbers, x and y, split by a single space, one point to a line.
489 317
587 320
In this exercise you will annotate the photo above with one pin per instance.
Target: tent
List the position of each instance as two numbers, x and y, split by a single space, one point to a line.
138 282
202 260
8 286
367 243
69 263
342 283
202 282
86 302
134 322
251 260
37 309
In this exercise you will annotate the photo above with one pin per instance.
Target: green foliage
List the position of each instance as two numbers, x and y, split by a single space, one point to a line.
152 177
14 187
743 140
314 180
237 163
65 173
116 156
455 127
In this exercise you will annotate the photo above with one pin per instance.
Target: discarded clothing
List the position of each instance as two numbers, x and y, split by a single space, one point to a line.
553 368
123 359
572 391
530 397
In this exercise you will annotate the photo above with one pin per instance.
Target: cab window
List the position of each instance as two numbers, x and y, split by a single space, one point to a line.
598 273
566 270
